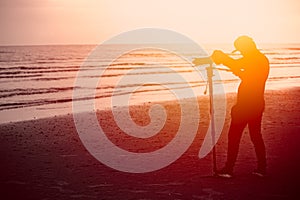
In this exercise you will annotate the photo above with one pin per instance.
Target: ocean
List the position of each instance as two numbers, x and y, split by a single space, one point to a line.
38 81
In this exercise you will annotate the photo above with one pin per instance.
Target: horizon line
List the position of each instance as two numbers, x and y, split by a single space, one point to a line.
94 44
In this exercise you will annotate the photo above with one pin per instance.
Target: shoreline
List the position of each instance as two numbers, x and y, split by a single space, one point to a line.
46 116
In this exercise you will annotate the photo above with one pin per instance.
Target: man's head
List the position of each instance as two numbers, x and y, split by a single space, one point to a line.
244 44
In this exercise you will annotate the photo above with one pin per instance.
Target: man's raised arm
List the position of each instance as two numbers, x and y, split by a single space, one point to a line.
219 57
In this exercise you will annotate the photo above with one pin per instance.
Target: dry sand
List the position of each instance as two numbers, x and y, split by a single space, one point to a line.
45 159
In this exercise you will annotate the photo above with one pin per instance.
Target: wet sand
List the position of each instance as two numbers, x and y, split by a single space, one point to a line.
45 159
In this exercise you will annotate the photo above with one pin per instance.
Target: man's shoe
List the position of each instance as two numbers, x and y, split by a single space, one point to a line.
224 173
259 173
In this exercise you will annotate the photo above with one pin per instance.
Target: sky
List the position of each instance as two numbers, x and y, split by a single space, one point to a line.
27 22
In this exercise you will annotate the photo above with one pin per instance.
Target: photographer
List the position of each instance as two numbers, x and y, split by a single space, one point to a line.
253 70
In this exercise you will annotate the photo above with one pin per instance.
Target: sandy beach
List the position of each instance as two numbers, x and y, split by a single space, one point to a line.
45 159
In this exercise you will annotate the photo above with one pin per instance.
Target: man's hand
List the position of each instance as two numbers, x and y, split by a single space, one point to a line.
218 57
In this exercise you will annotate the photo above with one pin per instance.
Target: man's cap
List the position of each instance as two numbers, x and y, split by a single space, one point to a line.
243 41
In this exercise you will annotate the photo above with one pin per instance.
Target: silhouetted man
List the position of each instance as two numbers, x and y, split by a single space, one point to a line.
253 70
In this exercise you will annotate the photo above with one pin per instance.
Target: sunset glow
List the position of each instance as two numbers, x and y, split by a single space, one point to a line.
91 22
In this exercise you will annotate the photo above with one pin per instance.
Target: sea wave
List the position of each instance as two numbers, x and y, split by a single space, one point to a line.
33 76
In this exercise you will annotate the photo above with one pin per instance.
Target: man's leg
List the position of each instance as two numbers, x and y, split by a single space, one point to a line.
256 138
234 137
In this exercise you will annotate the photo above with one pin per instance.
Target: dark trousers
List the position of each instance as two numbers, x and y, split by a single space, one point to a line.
239 120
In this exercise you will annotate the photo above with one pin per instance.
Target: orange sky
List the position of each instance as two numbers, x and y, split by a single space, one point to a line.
92 21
